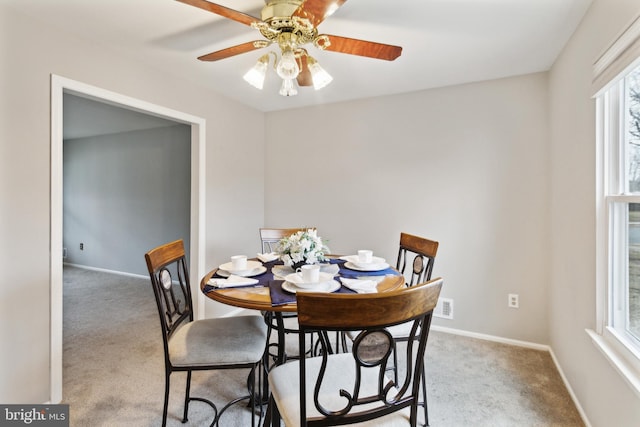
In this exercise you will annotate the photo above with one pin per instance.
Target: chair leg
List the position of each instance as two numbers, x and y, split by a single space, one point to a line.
255 373
267 415
424 395
275 413
186 398
166 398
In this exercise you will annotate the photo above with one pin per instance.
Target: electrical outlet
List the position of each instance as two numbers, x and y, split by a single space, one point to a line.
82 246
514 301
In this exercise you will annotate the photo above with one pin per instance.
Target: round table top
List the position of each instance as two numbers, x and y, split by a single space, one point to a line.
258 298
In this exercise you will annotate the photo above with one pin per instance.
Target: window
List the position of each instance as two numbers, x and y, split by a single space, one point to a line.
618 119
616 88
621 116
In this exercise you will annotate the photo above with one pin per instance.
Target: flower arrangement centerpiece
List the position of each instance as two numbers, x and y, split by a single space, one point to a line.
303 247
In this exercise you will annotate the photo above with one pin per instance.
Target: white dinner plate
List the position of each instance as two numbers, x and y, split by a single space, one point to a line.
252 267
376 263
366 267
327 287
296 279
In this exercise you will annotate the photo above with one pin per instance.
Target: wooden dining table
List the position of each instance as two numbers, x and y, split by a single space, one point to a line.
258 297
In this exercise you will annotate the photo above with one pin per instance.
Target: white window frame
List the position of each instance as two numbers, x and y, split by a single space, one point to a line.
620 348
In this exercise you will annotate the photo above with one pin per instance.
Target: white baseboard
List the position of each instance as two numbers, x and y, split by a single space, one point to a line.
104 270
494 338
583 414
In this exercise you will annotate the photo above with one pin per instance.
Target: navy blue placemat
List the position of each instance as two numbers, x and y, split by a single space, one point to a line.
263 280
351 274
280 297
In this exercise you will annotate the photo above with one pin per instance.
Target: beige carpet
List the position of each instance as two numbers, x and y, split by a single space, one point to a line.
114 373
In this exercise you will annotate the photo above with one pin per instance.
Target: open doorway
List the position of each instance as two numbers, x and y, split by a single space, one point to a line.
59 87
126 185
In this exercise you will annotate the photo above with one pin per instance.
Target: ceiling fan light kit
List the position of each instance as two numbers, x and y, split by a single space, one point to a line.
292 24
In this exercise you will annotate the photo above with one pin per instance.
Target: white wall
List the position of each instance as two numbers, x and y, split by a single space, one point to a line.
31 52
465 165
607 400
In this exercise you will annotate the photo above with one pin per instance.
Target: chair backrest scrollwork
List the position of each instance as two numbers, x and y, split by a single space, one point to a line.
363 391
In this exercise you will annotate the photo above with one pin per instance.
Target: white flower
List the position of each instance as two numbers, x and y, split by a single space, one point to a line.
303 246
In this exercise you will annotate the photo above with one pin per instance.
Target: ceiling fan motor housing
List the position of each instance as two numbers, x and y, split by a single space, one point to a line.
277 17
280 8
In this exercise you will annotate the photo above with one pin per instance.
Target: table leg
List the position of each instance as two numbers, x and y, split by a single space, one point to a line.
267 364
280 356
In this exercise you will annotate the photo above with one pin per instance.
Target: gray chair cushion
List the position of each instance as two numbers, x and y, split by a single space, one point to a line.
219 341
285 389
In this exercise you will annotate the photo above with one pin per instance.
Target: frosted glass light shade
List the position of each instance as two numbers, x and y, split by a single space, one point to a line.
256 75
288 88
287 67
319 76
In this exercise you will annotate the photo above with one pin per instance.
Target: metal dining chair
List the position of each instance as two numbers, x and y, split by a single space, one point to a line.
197 345
352 387
419 253
423 251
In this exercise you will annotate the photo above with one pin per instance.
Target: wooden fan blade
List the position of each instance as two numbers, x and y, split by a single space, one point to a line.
233 50
360 47
304 78
317 10
243 18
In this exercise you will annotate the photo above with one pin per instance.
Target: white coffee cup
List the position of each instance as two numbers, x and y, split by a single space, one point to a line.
310 273
239 262
365 256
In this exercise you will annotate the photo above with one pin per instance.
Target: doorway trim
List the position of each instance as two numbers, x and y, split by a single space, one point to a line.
59 86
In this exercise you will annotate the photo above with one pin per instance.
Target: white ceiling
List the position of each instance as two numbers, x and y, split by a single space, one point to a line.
445 42
83 117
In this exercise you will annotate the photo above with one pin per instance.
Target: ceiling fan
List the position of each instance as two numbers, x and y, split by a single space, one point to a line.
292 24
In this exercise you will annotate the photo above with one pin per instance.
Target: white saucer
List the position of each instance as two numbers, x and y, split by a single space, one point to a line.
327 287
252 266
296 279
283 270
366 267
376 263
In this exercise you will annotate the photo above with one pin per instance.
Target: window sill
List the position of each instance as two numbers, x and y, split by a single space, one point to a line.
623 361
